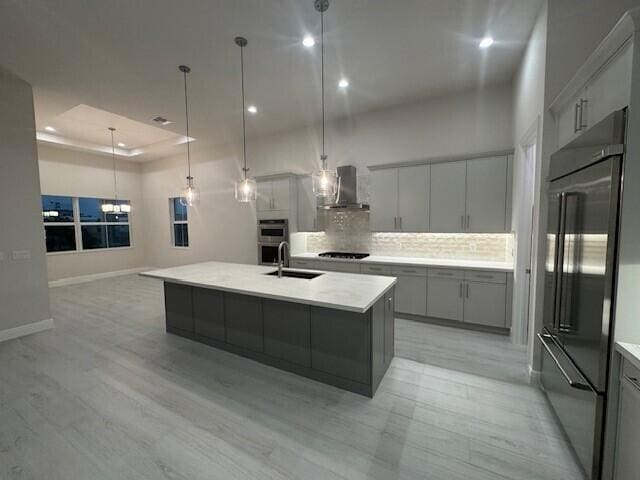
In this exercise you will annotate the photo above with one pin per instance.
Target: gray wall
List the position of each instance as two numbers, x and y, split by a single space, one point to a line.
24 295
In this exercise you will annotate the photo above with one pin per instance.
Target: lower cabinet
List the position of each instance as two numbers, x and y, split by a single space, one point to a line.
627 462
341 343
243 315
208 313
485 304
445 298
411 290
178 307
287 328
333 266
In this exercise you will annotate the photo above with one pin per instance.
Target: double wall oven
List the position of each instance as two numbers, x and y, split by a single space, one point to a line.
270 234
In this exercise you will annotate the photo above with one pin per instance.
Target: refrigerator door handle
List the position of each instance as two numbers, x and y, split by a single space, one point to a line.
559 260
575 381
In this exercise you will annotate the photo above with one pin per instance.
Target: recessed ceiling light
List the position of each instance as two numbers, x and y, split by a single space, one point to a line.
252 109
308 41
486 42
161 120
343 83
120 144
49 128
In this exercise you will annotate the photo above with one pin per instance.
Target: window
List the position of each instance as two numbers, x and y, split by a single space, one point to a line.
100 229
75 224
179 225
59 225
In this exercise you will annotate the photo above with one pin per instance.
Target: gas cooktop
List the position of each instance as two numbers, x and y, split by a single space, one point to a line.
351 255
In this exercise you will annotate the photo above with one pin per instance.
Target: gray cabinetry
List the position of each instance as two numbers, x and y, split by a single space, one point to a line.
384 200
486 194
337 266
178 307
485 304
243 316
341 343
448 187
208 313
307 205
411 290
389 327
445 298
287 329
627 463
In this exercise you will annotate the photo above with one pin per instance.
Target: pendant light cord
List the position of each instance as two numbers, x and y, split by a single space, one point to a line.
323 157
244 127
186 113
113 156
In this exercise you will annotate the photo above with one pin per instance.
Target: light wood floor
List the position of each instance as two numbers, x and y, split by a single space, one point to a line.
109 395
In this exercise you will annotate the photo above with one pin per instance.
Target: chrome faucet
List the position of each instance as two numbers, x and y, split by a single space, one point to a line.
280 260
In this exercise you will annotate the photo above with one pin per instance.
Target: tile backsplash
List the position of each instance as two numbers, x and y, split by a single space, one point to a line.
349 231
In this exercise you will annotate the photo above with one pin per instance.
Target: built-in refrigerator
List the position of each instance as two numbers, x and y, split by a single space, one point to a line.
584 190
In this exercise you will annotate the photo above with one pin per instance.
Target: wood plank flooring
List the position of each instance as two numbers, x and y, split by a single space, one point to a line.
109 395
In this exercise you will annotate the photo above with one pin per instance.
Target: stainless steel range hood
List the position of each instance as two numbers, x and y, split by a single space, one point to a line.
347 196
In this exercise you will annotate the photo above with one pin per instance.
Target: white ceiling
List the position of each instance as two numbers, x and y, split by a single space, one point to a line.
122 57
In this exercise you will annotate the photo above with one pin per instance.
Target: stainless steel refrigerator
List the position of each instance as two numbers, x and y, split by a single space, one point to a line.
584 202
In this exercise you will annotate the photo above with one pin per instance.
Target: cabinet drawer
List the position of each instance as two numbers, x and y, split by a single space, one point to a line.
416 271
295 263
483 276
375 269
346 267
446 273
628 370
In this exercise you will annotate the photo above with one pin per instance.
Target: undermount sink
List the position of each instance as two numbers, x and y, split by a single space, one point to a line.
296 274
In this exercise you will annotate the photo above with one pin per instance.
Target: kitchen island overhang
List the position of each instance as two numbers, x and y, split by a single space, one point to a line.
337 328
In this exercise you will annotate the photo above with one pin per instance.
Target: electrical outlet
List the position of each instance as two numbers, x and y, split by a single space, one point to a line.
21 254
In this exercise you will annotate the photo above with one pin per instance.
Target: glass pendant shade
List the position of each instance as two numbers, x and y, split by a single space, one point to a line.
190 195
107 207
325 183
246 190
125 208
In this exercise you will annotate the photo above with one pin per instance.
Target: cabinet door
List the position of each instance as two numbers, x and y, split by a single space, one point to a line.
413 198
264 200
334 266
411 294
287 328
208 313
178 306
610 90
389 326
487 194
568 119
383 200
447 205
341 343
280 191
485 304
243 319
627 465
307 206
445 298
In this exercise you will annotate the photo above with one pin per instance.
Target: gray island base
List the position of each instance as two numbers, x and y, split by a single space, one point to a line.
346 349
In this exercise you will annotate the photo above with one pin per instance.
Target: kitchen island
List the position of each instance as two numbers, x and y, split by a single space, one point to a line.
336 328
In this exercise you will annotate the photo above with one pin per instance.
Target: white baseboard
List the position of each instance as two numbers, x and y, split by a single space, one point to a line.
96 276
534 377
27 329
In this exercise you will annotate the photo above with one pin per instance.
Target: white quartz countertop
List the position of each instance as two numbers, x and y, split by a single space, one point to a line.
630 351
342 291
417 262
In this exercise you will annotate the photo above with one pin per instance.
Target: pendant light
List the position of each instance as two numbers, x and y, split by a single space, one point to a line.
115 207
325 181
246 189
190 195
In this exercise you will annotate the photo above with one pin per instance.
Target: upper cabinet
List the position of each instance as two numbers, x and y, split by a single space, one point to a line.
307 205
451 197
448 185
399 199
274 195
601 86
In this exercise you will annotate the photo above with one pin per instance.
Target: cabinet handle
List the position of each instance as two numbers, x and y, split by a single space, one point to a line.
444 274
467 290
400 220
468 221
375 269
395 223
576 129
483 275
460 292
582 124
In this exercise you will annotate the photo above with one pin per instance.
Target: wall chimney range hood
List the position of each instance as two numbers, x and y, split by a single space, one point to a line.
347 196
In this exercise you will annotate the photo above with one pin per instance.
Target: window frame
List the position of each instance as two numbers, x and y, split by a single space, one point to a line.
173 222
77 224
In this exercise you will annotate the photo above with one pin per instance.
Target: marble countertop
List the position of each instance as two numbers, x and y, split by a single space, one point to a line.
342 291
418 262
630 351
